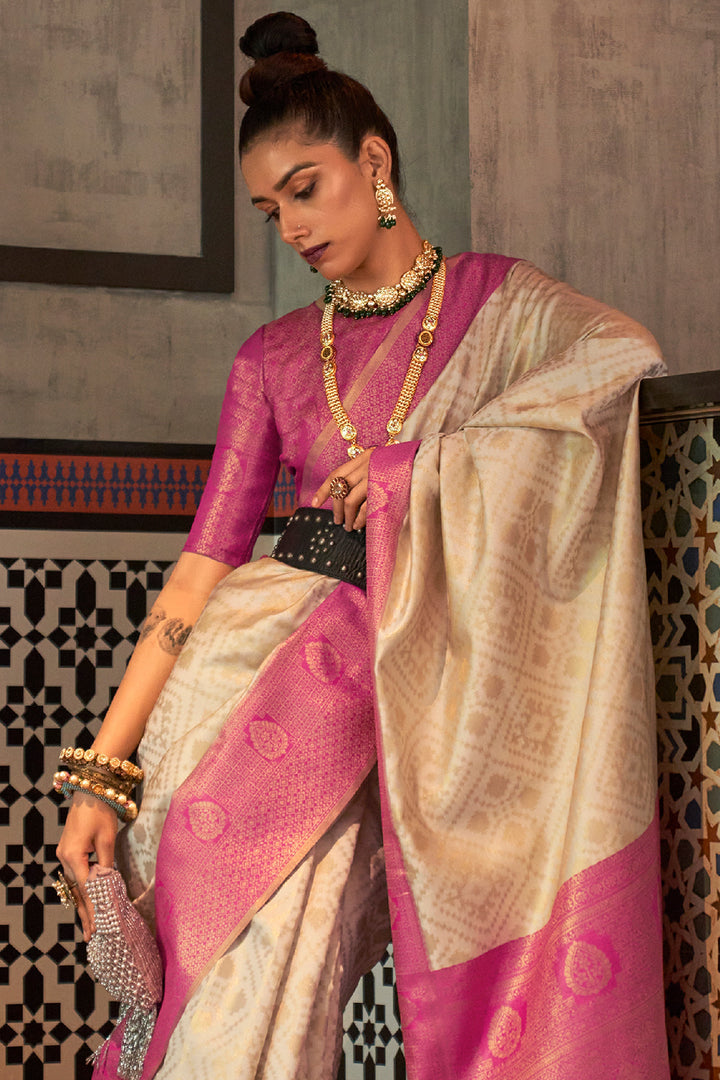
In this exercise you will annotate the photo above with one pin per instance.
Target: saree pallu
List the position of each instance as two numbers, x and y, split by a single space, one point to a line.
515 703
500 665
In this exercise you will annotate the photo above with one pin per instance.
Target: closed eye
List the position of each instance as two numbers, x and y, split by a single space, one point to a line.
303 193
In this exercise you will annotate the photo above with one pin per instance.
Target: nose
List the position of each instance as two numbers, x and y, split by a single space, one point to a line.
289 228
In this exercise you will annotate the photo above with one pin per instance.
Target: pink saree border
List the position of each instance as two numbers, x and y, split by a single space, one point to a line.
580 997
289 758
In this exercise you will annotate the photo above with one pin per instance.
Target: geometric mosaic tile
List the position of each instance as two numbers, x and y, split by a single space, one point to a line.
372 1042
681 508
67 629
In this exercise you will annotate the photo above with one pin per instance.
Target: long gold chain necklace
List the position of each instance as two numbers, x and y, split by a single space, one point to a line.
328 355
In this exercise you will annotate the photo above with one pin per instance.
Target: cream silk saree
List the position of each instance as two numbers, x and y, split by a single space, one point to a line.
499 669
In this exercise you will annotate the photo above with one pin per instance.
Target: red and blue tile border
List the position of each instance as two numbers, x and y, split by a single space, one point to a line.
116 486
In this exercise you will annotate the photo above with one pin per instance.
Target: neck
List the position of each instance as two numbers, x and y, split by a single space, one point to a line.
392 255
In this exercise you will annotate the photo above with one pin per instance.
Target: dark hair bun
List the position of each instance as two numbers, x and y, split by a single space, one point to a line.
279 32
283 46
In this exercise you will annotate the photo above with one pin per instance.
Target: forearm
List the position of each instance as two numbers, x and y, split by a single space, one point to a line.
162 636
144 678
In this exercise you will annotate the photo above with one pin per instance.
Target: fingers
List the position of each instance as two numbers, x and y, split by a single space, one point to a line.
351 510
85 911
361 518
91 828
74 871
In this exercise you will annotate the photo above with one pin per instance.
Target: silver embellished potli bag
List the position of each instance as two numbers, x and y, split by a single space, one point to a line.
124 958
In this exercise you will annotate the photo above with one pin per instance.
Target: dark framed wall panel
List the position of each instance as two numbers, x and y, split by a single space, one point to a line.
213 269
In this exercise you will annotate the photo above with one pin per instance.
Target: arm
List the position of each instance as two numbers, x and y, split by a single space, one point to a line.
92 825
162 636
231 511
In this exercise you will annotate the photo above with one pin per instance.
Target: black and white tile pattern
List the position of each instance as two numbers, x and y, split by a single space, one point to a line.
67 629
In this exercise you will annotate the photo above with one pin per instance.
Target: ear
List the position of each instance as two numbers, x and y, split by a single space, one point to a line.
375 158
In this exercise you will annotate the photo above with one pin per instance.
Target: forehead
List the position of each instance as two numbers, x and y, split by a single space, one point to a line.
269 159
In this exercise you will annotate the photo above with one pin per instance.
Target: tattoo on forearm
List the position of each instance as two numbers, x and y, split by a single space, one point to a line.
151 623
172 636
172 633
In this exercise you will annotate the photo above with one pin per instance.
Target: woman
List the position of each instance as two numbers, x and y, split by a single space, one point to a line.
480 419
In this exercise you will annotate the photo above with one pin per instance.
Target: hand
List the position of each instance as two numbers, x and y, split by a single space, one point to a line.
91 827
352 510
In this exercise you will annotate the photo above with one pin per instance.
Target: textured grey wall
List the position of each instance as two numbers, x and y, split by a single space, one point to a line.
413 56
119 364
595 139
595 152
122 364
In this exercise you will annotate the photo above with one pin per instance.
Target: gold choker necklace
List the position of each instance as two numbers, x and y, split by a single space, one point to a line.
420 354
389 298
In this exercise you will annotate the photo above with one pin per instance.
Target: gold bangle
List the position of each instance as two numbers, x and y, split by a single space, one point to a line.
67 783
76 756
104 776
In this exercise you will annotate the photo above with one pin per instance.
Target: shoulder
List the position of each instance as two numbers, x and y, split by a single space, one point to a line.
472 278
283 337
480 265
296 326
545 309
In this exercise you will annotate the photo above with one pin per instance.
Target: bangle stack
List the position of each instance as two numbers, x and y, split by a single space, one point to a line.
106 778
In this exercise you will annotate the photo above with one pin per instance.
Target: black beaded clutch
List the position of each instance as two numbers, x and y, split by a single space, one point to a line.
312 541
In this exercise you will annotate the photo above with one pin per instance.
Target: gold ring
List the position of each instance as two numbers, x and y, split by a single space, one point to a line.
339 487
63 889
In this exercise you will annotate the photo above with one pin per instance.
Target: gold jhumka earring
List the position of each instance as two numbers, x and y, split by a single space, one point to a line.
385 204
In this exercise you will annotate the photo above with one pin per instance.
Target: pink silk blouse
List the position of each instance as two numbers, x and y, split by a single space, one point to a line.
275 405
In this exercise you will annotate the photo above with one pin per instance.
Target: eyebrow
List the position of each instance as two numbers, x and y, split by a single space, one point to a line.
284 179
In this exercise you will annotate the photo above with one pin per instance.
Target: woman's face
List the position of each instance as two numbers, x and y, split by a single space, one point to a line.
322 203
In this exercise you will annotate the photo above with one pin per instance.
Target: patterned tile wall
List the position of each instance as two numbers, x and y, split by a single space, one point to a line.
67 628
681 507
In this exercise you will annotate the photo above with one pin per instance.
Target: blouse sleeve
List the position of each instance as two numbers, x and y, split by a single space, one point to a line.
244 466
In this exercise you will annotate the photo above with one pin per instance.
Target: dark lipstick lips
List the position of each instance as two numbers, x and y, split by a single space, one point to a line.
312 254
